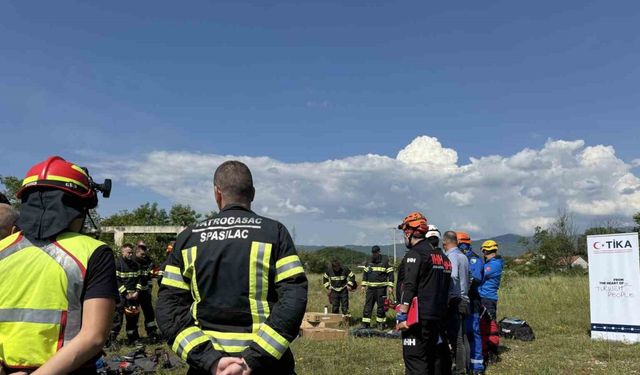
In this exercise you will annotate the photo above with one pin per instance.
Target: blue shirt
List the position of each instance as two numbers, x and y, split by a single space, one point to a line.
476 268
491 282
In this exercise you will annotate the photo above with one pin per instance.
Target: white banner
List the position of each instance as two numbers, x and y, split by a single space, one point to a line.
614 287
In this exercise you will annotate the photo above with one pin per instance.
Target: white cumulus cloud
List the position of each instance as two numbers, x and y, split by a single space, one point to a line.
359 199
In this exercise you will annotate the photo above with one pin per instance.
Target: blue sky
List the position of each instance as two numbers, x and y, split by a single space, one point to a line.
305 82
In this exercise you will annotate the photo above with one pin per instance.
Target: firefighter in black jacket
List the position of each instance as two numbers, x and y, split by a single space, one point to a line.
129 286
426 275
339 281
377 280
146 288
233 290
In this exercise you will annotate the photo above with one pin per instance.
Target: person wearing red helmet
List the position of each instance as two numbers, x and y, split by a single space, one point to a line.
426 275
58 286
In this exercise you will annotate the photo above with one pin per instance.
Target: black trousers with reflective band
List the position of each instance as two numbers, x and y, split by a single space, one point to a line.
147 310
425 350
374 295
131 325
285 366
338 299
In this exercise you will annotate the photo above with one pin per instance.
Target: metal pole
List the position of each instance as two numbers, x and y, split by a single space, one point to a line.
394 246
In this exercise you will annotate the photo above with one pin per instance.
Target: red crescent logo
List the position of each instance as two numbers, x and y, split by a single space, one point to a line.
595 245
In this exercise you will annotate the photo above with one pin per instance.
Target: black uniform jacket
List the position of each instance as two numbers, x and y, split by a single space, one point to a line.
425 273
233 285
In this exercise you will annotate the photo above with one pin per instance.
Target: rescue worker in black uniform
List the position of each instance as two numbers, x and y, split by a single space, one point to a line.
233 291
377 280
128 278
146 289
426 275
339 281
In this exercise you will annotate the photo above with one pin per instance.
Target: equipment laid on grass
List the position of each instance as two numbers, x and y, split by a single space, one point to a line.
370 332
138 362
514 328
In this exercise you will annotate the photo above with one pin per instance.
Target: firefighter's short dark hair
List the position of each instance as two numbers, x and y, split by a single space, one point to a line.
233 179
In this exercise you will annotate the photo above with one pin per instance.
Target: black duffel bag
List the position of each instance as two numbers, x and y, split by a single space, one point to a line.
514 328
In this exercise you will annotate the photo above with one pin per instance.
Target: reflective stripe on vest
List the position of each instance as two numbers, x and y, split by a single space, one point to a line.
41 310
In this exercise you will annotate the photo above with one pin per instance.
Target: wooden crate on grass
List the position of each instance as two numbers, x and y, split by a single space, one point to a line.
320 320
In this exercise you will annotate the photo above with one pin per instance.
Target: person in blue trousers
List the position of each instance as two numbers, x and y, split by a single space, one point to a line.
476 269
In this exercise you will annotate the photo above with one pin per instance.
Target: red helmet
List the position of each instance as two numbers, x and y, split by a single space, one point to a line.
415 222
57 173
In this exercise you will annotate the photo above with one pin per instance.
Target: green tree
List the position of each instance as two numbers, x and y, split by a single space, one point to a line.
636 218
552 245
318 261
183 215
11 185
149 214
145 214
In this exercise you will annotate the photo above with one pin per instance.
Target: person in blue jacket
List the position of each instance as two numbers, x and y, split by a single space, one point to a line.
476 269
489 299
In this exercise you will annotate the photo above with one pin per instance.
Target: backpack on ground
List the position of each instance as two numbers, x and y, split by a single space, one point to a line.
514 328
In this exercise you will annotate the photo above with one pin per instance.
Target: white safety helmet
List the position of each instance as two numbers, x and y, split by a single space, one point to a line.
433 232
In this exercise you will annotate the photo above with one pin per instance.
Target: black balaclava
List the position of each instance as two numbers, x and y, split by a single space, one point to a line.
45 213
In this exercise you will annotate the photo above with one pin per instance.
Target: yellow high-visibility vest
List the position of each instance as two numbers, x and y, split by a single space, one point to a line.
41 284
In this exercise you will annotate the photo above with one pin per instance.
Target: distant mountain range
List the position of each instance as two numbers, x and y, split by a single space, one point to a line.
509 245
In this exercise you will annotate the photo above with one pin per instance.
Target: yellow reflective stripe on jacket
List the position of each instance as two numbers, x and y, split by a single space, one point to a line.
172 277
338 278
390 269
378 269
189 259
122 289
230 342
259 282
271 341
188 339
288 267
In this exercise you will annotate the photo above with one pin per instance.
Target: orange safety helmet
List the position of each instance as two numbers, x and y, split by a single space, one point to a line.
415 222
132 310
57 173
463 237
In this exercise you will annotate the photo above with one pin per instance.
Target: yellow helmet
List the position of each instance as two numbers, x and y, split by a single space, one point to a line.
489 245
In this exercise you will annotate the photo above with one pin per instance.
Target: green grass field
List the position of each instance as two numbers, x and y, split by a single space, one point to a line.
557 307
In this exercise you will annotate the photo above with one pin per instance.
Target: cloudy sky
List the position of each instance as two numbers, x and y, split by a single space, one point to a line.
486 117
